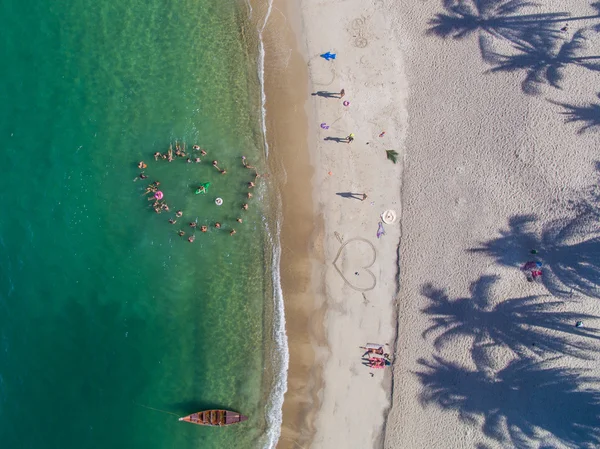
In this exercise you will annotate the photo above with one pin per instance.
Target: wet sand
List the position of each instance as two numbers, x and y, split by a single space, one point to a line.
286 87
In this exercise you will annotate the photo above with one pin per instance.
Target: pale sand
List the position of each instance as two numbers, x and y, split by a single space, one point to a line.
350 404
478 154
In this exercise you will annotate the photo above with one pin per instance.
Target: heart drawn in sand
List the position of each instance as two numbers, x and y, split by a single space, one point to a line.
364 268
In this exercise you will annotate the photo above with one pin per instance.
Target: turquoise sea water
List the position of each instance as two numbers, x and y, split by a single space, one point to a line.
102 306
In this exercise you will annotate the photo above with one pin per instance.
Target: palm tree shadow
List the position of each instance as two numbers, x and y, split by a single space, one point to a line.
589 115
499 19
543 60
527 326
569 249
518 402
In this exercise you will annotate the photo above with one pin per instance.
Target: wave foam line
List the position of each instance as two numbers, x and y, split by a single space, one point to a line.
261 75
280 357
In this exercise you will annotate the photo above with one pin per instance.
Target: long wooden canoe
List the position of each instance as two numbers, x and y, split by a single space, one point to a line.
214 418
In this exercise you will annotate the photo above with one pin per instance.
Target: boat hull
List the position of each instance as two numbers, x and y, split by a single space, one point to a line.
214 418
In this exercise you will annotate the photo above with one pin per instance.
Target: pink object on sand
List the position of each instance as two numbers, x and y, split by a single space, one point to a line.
346 103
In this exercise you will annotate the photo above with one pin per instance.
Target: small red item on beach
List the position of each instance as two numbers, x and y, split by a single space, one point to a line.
382 134
329 173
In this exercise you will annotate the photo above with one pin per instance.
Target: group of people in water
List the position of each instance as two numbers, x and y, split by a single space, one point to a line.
159 204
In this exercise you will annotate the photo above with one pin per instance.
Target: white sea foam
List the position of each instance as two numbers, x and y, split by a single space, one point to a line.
279 356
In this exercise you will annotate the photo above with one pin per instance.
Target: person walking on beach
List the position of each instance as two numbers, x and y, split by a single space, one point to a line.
342 93
350 138
364 196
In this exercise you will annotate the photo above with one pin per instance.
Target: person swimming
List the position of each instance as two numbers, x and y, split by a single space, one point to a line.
223 172
181 233
156 183
172 221
232 232
191 238
218 225
157 155
239 220
179 214
246 164
197 160
245 206
202 152
204 228
142 176
249 195
250 184
193 224
196 147
189 161
142 165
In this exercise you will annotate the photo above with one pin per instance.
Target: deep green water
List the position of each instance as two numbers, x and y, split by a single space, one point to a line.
102 305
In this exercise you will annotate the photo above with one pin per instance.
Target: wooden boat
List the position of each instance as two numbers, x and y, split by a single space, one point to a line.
214 418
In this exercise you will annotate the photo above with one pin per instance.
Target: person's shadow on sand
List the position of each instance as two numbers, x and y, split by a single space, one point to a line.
356 196
336 139
325 94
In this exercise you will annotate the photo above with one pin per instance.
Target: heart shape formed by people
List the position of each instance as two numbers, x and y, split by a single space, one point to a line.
363 268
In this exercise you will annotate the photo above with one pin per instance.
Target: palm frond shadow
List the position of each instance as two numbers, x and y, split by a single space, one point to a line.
527 326
568 248
588 114
543 60
493 18
570 252
519 402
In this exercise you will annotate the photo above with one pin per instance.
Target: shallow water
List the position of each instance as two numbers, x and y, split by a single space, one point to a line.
102 306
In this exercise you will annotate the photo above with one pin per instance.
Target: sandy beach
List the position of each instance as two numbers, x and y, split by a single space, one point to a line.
494 123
